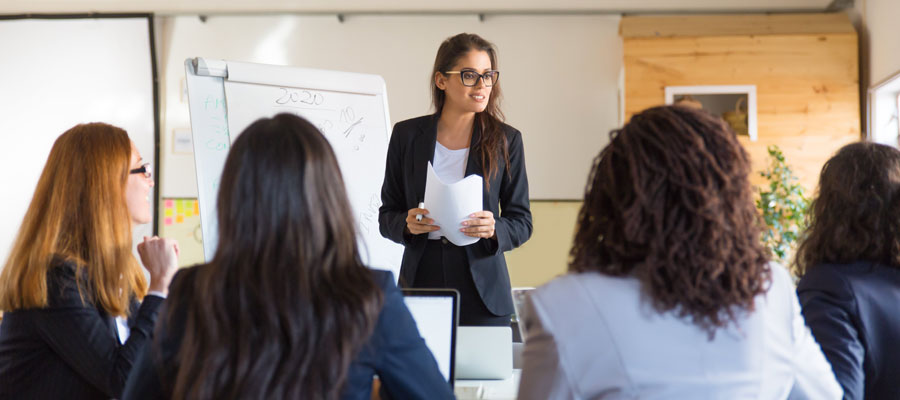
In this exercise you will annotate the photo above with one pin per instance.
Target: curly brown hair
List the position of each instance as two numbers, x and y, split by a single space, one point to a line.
855 215
668 201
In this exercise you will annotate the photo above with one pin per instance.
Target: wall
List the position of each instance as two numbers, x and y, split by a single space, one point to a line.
880 62
881 19
559 76
546 255
807 84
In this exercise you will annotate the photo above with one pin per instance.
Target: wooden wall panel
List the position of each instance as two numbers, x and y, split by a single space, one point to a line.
734 24
807 87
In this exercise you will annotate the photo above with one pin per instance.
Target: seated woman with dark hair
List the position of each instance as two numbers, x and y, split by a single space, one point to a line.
285 309
849 260
670 293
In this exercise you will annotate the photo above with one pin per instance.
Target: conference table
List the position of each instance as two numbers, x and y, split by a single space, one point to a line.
505 389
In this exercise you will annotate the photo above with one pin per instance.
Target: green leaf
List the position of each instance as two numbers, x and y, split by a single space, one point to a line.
783 206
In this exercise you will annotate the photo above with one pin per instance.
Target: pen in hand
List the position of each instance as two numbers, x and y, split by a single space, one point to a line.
419 216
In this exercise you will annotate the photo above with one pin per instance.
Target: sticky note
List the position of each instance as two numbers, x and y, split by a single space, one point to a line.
179 219
179 205
168 212
188 212
196 207
168 220
169 203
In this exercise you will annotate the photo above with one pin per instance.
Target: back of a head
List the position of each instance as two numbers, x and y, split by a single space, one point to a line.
78 213
286 268
855 215
669 202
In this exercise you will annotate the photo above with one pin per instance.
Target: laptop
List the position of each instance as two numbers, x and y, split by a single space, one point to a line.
484 352
435 312
519 295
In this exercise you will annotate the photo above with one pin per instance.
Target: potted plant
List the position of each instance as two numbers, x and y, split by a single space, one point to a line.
783 206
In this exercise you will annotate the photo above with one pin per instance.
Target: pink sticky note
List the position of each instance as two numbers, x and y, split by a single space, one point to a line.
169 203
168 221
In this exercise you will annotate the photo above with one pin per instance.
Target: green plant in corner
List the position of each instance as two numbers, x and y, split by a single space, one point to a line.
783 207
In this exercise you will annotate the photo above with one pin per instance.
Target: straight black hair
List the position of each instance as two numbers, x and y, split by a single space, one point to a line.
286 302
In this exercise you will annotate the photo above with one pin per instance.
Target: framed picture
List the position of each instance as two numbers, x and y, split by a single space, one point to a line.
736 104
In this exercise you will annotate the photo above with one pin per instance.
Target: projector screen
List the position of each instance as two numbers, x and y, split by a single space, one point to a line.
58 72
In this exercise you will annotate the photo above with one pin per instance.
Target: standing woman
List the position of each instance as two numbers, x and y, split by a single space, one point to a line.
71 272
466 135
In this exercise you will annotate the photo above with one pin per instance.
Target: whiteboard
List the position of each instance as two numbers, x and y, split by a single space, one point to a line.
350 110
57 73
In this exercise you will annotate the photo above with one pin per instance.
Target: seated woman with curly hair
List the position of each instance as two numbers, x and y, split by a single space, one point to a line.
670 293
850 262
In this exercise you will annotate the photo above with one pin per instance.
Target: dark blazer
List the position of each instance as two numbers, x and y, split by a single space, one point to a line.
852 311
70 349
395 352
410 150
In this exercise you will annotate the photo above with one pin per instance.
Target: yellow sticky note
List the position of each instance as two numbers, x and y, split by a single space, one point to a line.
168 212
179 205
188 212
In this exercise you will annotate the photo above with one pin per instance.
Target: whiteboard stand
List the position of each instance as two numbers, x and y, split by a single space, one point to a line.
209 129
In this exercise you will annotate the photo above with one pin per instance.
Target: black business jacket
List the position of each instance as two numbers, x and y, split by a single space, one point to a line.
410 150
70 349
395 352
852 310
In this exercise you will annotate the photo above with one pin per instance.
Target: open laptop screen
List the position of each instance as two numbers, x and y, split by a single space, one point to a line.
435 313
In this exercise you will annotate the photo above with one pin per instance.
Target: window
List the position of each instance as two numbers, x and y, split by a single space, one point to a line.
884 110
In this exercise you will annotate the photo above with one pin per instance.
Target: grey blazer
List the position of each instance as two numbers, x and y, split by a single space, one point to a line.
592 336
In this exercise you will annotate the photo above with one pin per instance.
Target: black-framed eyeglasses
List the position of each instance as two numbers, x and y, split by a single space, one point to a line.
145 169
470 77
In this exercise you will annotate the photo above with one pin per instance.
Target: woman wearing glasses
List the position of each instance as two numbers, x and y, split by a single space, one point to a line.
466 135
71 272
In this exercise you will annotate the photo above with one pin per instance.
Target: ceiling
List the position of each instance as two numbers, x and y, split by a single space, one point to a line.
409 6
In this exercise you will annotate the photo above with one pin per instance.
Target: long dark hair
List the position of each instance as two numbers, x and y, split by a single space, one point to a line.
855 215
669 202
493 140
286 302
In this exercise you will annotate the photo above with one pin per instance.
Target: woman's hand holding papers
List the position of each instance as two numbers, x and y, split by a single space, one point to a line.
480 226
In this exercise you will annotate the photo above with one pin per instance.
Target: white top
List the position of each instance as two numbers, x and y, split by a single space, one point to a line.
122 322
450 166
592 336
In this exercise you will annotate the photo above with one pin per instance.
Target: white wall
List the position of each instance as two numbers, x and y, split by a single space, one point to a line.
882 21
558 74
878 22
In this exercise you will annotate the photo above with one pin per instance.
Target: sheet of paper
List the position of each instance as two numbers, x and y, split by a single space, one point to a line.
450 204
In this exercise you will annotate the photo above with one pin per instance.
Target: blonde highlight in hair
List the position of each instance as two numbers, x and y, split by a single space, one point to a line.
78 214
